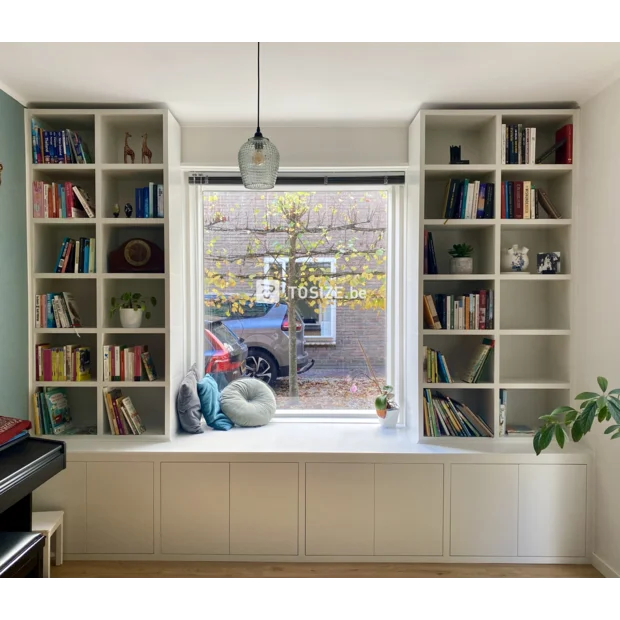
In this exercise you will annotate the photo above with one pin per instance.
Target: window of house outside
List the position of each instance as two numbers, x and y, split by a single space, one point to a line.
308 266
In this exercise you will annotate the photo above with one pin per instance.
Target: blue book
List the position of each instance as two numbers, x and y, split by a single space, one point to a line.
35 143
54 147
46 147
464 199
62 249
152 200
51 322
138 199
146 207
86 254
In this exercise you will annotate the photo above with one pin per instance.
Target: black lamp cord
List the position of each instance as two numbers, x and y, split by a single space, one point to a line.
258 133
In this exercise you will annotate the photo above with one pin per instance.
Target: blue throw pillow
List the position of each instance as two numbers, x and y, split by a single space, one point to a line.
209 397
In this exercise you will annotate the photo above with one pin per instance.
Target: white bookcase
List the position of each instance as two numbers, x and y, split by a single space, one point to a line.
532 357
108 180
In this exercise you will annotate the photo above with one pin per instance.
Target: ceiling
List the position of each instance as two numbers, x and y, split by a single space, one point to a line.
306 83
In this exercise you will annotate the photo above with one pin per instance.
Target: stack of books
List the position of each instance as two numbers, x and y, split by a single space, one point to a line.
521 201
149 201
435 367
122 415
478 361
12 429
469 200
430 260
76 256
471 311
444 416
60 200
70 362
128 363
58 147
518 144
56 310
52 414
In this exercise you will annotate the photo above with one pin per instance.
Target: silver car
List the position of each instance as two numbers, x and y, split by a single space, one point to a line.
264 329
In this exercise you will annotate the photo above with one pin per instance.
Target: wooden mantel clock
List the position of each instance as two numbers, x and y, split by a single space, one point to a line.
136 256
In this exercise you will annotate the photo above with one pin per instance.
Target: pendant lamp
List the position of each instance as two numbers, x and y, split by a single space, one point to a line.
259 159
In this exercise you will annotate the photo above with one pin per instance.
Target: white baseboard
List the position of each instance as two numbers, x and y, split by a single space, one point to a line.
604 568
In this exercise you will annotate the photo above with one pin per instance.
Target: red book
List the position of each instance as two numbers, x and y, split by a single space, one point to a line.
503 200
9 427
482 319
564 155
518 200
69 199
47 364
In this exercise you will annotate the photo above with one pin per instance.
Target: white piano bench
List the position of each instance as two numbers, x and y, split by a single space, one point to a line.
50 525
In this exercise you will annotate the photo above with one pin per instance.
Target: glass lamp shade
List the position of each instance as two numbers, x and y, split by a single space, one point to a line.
259 161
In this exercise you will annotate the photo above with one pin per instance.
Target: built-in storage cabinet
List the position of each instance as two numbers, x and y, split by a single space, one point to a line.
552 510
195 502
264 501
119 507
339 509
484 510
409 509
66 491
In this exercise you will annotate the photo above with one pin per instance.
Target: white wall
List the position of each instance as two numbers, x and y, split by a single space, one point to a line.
598 297
308 147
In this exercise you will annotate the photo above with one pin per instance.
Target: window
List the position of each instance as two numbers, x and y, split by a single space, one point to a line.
338 241
319 321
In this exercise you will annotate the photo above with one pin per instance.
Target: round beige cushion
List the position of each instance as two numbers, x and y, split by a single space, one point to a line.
248 402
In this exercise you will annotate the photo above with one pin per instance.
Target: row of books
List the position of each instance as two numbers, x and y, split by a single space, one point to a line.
149 201
76 256
122 415
444 416
518 144
70 362
521 200
128 363
58 147
430 260
435 365
470 311
469 200
54 310
60 200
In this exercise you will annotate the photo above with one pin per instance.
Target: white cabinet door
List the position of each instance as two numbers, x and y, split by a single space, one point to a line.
552 510
195 508
264 504
119 507
340 509
484 510
408 509
66 491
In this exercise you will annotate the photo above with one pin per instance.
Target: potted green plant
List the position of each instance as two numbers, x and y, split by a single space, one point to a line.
567 421
131 307
462 260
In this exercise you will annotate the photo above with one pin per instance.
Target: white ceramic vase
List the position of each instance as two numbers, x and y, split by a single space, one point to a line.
131 318
515 259
390 419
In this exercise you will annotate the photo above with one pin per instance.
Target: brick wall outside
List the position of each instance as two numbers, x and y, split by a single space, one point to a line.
244 210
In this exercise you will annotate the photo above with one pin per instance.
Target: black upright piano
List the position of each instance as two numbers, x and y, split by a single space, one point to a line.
25 464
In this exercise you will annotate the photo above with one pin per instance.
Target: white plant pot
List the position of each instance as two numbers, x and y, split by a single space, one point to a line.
391 418
131 318
462 265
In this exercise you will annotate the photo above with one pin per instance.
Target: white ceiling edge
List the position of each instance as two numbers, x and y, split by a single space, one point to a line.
11 93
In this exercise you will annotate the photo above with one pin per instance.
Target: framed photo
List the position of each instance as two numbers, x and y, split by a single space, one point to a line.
548 262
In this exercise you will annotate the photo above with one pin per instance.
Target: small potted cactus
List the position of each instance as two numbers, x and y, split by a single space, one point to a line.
461 261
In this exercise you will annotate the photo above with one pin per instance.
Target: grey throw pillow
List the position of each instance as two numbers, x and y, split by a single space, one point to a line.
248 402
188 403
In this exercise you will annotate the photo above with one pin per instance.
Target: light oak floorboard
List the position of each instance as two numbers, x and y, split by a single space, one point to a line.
311 569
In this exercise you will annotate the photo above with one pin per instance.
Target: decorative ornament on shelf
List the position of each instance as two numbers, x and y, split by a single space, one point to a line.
462 261
259 159
128 209
455 155
136 256
127 150
116 210
548 262
515 259
146 151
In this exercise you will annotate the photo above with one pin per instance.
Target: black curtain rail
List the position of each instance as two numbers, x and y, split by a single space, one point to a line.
325 180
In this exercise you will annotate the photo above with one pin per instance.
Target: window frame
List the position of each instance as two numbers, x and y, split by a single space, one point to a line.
395 293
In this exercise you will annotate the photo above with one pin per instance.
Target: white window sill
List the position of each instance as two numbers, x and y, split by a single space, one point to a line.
319 342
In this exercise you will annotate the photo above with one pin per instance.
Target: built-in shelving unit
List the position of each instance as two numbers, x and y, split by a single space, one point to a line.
532 329
109 180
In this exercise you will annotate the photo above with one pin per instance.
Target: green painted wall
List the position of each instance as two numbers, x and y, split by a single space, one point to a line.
13 272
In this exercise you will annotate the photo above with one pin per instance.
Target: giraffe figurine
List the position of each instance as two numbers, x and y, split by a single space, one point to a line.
146 151
127 150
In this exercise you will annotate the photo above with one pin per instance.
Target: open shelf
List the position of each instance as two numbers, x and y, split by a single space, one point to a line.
156 344
436 183
525 406
535 304
150 405
540 240
83 122
530 359
149 287
84 293
114 125
48 242
118 187
458 352
482 239
475 133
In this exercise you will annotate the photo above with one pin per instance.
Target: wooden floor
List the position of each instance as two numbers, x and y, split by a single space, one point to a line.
251 569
